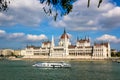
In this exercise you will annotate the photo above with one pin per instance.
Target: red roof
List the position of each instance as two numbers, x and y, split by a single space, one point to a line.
106 44
34 47
83 41
64 35
100 44
71 46
46 43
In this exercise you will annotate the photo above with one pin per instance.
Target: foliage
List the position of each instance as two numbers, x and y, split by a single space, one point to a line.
100 1
1 55
115 54
60 7
54 8
118 54
57 7
4 5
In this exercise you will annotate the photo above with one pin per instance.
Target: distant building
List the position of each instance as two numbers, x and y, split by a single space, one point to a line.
17 52
83 49
114 51
6 52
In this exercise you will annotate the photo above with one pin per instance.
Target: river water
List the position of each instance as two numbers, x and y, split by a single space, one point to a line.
23 70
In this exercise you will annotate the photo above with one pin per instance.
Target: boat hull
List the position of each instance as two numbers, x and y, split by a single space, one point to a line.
52 65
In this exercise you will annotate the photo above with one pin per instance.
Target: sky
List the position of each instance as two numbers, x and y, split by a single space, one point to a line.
25 23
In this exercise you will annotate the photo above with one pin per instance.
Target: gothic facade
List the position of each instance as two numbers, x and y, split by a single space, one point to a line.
82 49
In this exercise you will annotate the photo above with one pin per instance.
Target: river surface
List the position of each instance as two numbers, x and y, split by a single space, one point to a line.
23 70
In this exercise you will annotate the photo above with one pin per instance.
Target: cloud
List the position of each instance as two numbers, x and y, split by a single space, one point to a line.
19 39
30 13
70 35
22 37
91 19
2 33
31 37
110 19
112 13
17 36
107 37
25 12
58 24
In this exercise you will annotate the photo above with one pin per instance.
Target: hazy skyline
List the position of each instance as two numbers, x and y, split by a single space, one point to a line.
26 23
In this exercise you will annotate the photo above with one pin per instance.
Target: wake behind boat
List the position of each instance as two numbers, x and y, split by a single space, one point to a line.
52 65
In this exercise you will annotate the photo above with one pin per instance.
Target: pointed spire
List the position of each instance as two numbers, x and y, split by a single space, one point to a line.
52 44
88 38
85 38
64 31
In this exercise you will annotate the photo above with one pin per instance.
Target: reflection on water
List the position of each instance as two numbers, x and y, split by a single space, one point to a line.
23 70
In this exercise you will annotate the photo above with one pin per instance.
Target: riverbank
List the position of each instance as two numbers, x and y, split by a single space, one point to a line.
63 59
57 59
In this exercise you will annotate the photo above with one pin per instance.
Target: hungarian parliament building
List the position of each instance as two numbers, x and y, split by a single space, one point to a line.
82 49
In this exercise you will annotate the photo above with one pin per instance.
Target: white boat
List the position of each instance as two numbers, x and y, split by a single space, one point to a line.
52 65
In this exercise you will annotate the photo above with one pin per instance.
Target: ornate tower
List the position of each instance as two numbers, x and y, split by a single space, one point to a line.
65 42
62 41
52 46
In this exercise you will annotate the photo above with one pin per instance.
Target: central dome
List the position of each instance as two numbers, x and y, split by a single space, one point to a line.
64 35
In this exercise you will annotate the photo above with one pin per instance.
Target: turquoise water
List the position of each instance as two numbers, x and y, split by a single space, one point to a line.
23 70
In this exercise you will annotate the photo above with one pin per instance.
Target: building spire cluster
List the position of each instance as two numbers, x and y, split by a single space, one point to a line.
64 31
82 49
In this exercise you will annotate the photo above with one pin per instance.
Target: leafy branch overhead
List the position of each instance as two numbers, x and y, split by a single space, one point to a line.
57 8
4 5
53 8
100 1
